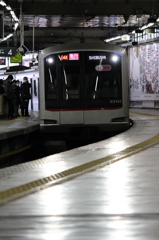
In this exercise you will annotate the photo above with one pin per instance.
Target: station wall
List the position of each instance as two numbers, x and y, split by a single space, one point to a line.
144 75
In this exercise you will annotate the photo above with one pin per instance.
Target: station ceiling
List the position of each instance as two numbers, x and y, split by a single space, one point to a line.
52 22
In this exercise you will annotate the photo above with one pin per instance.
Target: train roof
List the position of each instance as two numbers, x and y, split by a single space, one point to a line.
86 45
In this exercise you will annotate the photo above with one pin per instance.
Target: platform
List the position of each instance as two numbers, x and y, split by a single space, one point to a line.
12 127
106 190
17 136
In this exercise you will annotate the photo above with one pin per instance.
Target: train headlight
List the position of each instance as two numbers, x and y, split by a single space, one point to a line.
115 58
50 60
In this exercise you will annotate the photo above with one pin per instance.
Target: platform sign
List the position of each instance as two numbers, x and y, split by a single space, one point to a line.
7 51
17 58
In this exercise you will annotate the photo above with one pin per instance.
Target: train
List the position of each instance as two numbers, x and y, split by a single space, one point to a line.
84 85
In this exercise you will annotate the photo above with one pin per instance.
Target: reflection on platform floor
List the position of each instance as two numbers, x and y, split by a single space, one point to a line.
116 201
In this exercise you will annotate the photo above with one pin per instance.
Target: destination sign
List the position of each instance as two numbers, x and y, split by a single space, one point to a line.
70 57
97 57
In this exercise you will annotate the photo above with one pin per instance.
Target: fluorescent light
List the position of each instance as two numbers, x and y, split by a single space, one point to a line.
8 8
15 26
147 26
125 37
5 38
3 3
16 20
112 39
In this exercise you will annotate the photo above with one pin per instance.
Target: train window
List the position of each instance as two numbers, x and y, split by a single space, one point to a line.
103 86
50 79
99 74
70 75
103 77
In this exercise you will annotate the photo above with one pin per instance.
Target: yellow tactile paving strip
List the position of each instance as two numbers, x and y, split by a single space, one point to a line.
34 186
145 114
6 122
15 151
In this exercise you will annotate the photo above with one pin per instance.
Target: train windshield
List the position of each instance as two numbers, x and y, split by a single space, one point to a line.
51 79
70 77
103 76
83 79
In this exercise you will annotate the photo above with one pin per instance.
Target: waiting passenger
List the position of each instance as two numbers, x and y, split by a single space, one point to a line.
15 96
1 87
25 96
7 94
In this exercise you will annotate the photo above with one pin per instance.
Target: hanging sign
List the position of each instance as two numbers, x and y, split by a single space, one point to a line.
17 58
7 51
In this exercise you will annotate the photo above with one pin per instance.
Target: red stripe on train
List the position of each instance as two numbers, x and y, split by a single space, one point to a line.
82 109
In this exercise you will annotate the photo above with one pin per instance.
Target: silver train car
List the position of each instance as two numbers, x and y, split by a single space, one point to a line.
83 85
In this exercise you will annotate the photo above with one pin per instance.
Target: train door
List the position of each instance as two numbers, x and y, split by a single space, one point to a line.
71 111
34 94
102 86
94 97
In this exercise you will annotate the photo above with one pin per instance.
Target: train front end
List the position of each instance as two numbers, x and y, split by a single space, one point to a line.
84 85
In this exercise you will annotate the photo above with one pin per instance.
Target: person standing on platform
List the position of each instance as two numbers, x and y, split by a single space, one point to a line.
15 95
7 94
17 99
1 87
25 96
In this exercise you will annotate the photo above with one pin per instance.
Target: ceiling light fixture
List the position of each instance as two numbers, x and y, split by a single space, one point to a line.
3 3
150 30
112 39
125 37
15 19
